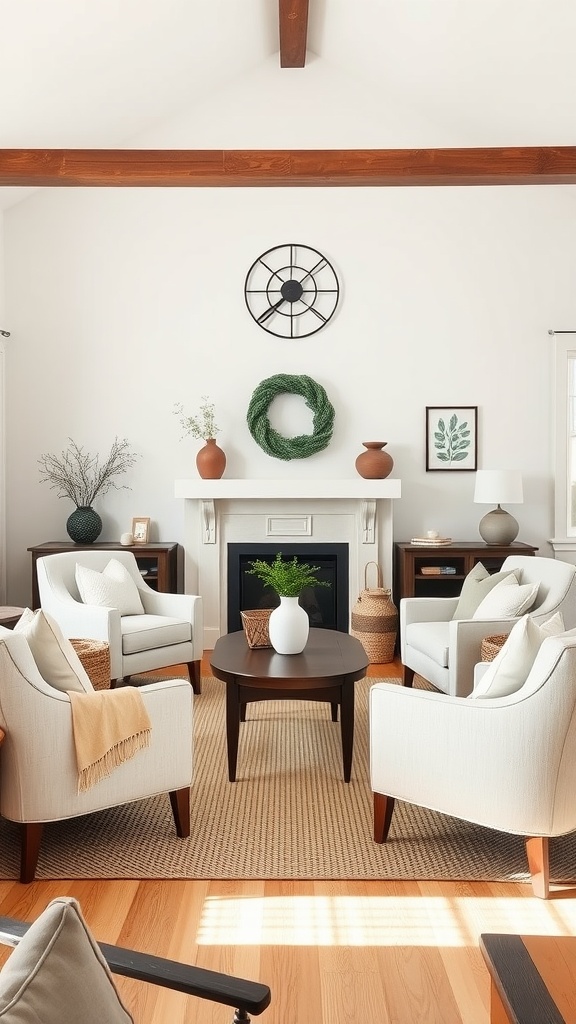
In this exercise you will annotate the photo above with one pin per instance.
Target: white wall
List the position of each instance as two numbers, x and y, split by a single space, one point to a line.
122 302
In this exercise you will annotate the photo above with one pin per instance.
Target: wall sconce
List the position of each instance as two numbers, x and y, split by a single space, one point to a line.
498 486
5 334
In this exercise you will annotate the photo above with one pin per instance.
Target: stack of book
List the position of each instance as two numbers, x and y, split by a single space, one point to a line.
431 542
437 570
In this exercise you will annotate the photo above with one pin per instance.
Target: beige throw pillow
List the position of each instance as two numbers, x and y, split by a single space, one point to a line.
507 600
57 974
112 588
511 666
55 657
477 584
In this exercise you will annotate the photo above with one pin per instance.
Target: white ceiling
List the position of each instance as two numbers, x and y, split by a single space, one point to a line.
104 73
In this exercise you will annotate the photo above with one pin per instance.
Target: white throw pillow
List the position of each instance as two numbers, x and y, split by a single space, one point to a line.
511 666
477 584
113 588
57 974
507 599
55 657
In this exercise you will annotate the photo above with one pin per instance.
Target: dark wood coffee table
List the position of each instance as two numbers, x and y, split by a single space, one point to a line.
326 670
532 978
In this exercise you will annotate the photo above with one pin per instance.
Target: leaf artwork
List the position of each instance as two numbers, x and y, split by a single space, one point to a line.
452 441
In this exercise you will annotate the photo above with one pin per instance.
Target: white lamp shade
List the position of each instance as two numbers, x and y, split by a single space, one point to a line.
498 487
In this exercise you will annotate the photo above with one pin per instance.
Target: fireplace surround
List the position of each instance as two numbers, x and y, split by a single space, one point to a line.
281 512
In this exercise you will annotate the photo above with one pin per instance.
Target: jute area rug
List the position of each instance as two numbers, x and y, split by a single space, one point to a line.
289 815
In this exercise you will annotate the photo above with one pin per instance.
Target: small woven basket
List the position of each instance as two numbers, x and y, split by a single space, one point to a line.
255 622
95 657
491 646
374 621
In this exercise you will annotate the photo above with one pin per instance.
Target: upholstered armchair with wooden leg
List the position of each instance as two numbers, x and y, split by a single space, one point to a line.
145 630
506 762
39 777
441 637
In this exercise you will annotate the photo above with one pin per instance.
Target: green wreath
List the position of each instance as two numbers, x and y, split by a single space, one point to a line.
290 447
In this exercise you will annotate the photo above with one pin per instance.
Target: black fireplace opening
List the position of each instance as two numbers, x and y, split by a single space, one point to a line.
327 607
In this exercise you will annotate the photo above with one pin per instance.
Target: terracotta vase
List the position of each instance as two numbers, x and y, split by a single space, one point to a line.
211 461
374 464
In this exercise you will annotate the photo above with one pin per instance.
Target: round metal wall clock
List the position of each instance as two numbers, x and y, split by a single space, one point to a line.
291 290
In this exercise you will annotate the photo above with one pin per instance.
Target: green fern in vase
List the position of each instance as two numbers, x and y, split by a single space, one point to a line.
287 578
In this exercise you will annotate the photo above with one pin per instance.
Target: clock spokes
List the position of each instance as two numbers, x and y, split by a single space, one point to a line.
291 291
317 313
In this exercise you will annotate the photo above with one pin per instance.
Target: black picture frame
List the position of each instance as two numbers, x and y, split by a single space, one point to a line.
451 438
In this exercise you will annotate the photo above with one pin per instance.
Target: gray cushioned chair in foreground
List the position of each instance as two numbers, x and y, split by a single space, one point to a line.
59 974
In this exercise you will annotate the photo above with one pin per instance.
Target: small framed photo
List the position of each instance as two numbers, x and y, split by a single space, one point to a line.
451 437
141 529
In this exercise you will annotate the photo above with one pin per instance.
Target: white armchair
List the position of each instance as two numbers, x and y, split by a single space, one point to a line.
445 650
508 763
169 633
38 770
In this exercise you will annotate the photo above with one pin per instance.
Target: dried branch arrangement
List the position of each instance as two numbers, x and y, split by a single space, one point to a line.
79 475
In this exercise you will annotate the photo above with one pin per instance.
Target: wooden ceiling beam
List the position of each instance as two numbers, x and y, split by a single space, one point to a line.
293 17
306 168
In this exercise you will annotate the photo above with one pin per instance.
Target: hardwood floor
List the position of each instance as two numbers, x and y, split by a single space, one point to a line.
332 952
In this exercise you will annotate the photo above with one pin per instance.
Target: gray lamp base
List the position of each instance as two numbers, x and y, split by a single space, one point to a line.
498 527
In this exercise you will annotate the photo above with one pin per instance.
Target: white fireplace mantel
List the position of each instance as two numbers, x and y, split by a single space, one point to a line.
287 488
218 512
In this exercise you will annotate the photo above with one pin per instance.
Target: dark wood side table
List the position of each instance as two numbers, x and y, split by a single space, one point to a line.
410 559
326 670
532 978
163 562
9 616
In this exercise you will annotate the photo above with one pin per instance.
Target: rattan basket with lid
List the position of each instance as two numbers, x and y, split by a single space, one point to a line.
374 620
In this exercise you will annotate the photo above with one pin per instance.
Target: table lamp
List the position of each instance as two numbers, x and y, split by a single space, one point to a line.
498 486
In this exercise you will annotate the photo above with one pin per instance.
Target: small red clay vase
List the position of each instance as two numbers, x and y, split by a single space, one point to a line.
211 460
374 464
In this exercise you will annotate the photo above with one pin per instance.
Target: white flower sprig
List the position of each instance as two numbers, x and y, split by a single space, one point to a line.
203 425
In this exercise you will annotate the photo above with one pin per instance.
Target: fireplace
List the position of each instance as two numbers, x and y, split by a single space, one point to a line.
327 607
308 514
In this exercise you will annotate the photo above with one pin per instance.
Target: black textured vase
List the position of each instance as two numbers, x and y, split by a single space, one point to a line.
84 525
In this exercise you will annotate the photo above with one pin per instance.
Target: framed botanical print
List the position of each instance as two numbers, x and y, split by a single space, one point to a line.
451 437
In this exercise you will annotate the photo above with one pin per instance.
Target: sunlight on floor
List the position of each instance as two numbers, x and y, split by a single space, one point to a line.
376 920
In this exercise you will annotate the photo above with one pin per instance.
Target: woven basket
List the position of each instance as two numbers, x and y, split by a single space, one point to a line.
255 622
95 657
491 646
374 621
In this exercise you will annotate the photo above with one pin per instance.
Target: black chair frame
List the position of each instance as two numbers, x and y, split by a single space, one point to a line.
247 997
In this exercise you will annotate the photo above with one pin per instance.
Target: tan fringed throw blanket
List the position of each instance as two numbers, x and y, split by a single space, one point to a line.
110 726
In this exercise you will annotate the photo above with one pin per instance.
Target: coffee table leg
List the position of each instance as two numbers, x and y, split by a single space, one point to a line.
232 728
334 708
347 727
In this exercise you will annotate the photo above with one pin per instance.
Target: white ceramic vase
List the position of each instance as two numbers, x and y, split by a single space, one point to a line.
288 627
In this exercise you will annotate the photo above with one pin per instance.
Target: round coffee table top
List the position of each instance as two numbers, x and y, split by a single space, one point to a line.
328 654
